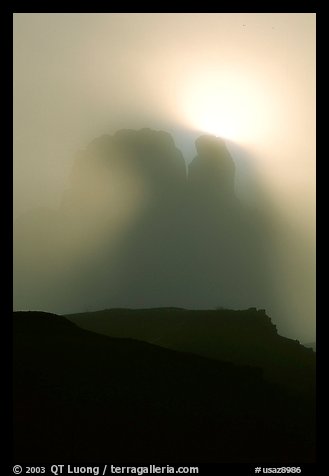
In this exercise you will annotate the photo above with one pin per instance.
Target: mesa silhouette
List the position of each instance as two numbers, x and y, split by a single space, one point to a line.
81 396
245 337
138 228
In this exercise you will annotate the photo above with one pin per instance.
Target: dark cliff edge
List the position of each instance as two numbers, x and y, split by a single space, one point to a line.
82 396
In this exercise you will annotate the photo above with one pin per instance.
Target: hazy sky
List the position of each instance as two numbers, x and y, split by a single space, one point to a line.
249 78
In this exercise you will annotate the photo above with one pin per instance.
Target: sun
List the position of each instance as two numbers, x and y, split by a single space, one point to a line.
229 105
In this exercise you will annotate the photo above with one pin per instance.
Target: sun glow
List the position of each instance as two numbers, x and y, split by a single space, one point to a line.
231 106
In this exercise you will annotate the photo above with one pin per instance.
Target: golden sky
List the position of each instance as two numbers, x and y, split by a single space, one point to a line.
247 77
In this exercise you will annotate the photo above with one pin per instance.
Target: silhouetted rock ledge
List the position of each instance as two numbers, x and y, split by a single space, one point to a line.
246 337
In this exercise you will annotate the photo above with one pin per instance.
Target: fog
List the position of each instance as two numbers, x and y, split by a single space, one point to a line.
248 78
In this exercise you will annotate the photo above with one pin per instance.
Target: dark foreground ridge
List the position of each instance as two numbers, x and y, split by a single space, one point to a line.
81 396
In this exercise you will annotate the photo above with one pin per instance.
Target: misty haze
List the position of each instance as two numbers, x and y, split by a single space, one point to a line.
164 219
95 74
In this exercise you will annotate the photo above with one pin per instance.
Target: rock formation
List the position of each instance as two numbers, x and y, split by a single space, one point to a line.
136 228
